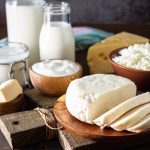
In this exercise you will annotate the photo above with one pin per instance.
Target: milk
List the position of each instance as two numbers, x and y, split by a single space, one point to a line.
57 41
24 25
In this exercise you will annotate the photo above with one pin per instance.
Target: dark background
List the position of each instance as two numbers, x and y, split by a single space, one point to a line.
103 11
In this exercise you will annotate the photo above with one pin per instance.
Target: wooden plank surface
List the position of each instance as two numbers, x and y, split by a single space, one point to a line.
23 128
69 141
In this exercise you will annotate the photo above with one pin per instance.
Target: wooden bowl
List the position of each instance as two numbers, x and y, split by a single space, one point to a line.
11 106
140 77
53 86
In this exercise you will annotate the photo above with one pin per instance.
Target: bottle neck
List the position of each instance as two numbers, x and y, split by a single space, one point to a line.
57 12
48 18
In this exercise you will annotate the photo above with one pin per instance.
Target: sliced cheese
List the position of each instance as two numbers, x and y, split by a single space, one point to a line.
9 90
131 118
91 96
107 118
142 125
97 57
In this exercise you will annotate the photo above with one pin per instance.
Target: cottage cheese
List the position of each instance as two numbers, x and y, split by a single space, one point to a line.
136 57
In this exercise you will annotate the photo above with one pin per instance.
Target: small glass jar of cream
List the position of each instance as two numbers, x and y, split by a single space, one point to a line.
13 64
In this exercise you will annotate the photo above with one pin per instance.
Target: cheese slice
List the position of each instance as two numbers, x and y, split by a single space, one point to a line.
97 56
142 125
91 96
131 118
107 118
9 90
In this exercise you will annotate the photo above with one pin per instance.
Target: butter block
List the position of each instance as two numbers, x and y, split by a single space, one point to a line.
97 56
142 125
110 116
10 90
91 96
131 118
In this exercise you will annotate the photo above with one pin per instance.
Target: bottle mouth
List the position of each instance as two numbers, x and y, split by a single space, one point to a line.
57 8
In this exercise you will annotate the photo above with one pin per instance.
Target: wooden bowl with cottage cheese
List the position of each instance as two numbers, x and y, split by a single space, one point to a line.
52 77
133 63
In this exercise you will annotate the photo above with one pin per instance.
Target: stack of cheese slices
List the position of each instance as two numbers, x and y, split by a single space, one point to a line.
109 101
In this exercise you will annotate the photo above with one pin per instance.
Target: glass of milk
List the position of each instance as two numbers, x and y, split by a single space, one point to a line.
56 37
24 22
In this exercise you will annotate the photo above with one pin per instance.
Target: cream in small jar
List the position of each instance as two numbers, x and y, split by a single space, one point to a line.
56 68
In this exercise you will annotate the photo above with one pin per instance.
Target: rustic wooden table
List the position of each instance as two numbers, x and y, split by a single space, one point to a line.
141 29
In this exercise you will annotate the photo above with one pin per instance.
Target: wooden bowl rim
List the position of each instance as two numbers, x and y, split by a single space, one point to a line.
20 96
114 53
43 76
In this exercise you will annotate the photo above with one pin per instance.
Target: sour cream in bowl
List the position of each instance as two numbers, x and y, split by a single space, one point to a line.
52 77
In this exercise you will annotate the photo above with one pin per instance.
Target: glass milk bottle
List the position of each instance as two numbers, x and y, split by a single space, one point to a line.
24 22
56 37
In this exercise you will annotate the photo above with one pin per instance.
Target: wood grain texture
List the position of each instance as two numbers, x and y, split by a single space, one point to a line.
93 131
39 99
69 141
23 128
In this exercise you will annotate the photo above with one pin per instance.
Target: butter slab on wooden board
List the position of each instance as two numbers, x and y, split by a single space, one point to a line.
142 125
91 96
9 90
131 118
98 54
113 114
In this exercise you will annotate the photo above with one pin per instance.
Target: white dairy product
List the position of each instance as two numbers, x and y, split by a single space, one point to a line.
56 68
91 96
142 125
24 23
57 41
9 90
131 118
136 56
12 56
107 118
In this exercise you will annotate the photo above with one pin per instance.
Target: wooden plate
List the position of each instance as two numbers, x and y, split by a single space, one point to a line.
86 130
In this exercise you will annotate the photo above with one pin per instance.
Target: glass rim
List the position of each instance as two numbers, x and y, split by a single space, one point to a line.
23 47
57 8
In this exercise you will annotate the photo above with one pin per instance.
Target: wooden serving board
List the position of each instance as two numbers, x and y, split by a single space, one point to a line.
93 131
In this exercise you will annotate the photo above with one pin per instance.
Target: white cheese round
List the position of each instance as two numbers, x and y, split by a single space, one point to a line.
136 56
56 68
89 97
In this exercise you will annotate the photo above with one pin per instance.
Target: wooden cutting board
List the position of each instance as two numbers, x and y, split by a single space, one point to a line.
93 131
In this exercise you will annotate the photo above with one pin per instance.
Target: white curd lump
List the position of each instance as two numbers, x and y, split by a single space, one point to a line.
56 68
91 96
136 56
